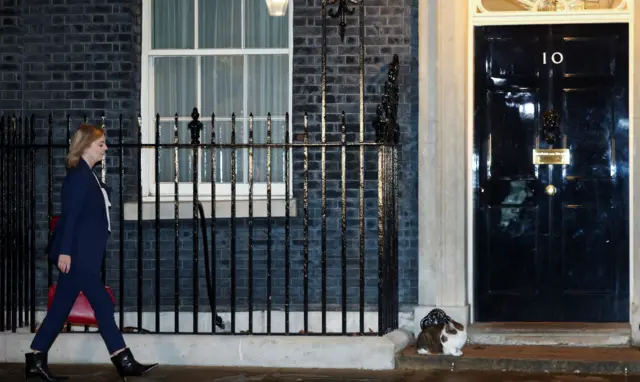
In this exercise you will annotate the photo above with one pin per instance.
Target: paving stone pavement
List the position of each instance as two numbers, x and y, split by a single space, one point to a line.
102 373
532 359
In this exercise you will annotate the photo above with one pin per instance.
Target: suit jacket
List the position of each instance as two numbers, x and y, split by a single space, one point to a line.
82 230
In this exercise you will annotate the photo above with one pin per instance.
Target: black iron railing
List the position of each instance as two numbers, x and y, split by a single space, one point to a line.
151 278
17 222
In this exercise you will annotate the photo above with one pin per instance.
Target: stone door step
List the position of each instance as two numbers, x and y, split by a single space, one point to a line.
551 334
534 359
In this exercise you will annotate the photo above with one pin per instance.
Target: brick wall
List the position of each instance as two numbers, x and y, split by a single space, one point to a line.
11 56
82 58
390 28
73 59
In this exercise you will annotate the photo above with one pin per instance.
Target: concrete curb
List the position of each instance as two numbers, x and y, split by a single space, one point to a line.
335 352
401 338
3 347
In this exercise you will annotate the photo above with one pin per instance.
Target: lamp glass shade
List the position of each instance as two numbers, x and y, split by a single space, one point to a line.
277 7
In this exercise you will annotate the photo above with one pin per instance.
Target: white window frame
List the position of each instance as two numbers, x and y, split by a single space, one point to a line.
185 189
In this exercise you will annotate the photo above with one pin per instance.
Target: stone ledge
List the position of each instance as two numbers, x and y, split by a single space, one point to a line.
3 348
334 352
534 359
278 319
223 209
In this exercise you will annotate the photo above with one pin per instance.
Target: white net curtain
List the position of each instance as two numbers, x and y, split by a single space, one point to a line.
236 60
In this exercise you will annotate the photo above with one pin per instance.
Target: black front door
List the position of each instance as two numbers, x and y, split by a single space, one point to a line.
551 241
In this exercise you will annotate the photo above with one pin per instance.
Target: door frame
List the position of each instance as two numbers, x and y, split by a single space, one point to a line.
479 16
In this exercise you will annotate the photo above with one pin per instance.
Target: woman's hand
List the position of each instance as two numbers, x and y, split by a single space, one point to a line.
64 263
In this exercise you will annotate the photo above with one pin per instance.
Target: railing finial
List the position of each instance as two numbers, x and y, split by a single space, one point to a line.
195 126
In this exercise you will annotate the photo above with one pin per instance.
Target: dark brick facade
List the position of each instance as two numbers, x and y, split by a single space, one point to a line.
82 57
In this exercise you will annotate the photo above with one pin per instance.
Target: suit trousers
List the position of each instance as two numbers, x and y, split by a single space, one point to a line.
68 288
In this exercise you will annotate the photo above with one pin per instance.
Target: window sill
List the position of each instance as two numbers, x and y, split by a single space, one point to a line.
223 209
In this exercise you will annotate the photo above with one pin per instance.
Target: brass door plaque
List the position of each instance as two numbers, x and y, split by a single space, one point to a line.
551 156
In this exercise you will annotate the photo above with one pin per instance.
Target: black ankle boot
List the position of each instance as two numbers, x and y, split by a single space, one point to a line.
36 367
127 366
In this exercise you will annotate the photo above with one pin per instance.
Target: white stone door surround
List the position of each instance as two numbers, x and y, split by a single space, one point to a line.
445 147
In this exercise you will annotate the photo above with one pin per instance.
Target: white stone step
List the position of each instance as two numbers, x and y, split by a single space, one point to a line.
550 334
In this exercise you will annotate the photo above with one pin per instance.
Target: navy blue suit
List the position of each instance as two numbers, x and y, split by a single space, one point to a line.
81 233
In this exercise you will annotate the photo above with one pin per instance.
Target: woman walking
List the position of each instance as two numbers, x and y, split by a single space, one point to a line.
77 247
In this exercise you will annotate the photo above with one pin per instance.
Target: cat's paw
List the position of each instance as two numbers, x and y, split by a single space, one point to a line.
453 352
423 352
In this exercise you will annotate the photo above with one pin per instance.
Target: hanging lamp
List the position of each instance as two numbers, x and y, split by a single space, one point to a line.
277 7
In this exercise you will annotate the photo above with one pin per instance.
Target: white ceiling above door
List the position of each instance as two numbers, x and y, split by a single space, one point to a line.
550 5
514 12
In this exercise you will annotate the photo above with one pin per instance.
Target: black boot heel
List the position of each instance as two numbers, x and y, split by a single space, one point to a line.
127 365
36 367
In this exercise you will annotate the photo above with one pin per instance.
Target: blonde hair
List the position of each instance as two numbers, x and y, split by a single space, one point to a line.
81 141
